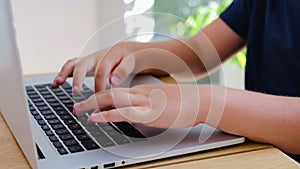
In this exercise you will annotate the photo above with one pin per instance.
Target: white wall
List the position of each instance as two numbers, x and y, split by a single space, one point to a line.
50 32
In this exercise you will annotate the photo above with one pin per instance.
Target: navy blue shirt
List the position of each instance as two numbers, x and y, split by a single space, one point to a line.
272 31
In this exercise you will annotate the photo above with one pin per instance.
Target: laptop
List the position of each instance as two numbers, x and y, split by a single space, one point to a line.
41 121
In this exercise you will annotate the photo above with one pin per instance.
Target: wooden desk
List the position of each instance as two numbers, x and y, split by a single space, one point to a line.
246 155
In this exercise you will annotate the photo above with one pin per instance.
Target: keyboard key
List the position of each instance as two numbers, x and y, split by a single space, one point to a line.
55 104
62 112
74 126
38 117
62 96
91 127
50 96
45 127
40 86
82 137
70 121
36 100
57 144
34 112
104 141
43 108
101 138
32 108
55 90
65 137
78 131
133 134
46 112
62 131
71 142
60 93
31 92
49 133
29 88
67 101
87 94
51 100
54 121
89 145
58 108
107 128
69 91
78 98
66 86
62 151
33 96
75 149
67 116
57 126
42 89
45 92
53 138
50 116
118 137
41 122
40 104
69 107
129 130
83 119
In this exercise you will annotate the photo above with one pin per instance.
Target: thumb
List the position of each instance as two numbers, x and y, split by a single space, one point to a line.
122 71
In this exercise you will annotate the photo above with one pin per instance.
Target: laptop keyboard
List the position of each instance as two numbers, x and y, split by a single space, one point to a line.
52 109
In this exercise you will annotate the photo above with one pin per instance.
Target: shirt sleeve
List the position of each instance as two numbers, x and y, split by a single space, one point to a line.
237 16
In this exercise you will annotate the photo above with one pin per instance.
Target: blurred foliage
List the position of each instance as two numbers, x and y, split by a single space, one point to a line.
194 15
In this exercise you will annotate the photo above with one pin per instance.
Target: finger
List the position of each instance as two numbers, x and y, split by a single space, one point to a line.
79 74
115 98
106 116
122 71
103 70
64 73
85 106
129 114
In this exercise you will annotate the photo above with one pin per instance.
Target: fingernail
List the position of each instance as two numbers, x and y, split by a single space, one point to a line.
53 85
115 80
58 78
74 112
92 117
75 89
76 106
96 117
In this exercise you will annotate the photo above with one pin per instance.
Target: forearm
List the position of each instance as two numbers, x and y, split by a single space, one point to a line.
259 117
201 53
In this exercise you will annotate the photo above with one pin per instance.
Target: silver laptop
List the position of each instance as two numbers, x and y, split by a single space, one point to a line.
51 137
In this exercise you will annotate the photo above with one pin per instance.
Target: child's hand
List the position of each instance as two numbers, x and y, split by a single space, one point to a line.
162 106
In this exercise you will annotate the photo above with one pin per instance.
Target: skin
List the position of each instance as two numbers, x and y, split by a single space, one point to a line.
259 117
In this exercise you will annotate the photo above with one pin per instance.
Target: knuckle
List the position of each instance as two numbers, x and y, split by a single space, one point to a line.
110 96
71 61
125 113
69 64
137 90
79 64
106 115
100 73
122 72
